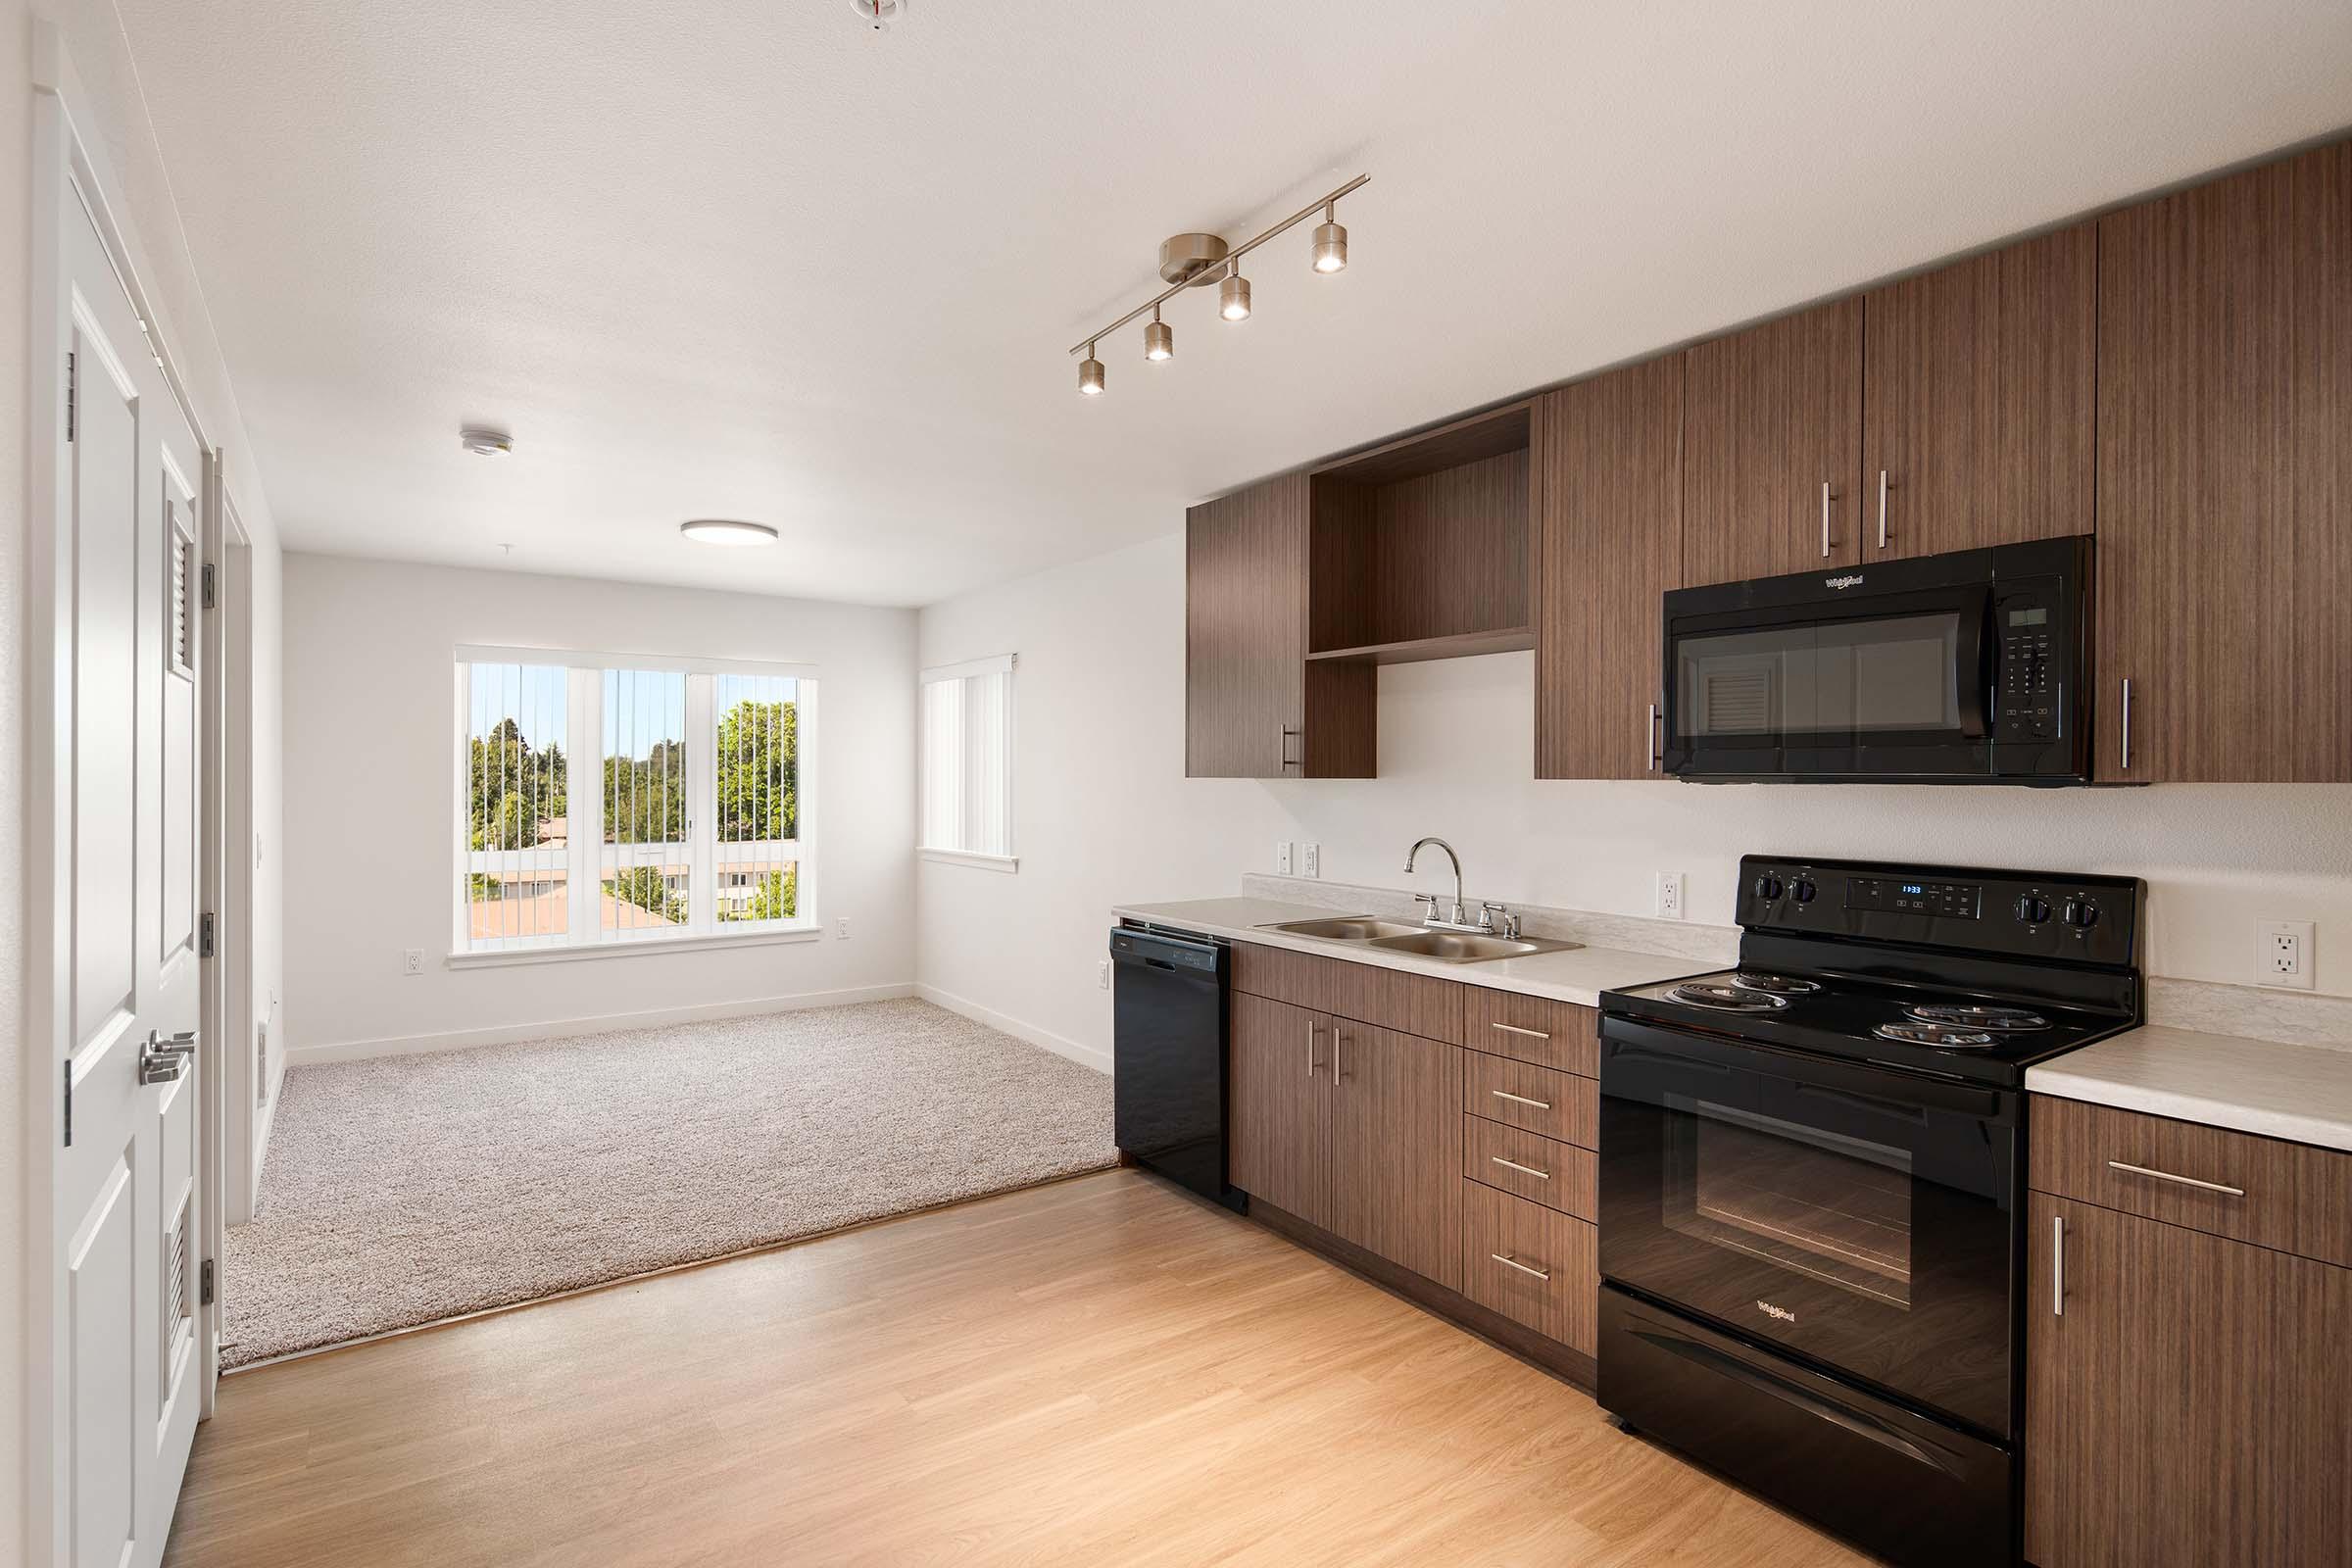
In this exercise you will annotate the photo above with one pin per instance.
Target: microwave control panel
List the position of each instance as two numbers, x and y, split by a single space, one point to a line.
2036 665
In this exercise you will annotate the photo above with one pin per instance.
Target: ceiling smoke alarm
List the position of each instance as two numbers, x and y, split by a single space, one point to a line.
484 442
879 13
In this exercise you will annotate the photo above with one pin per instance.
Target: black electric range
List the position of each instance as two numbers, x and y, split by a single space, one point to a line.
1812 1183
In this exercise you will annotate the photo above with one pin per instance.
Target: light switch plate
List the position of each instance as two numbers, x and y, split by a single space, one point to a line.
2282 955
1281 858
841 929
1315 860
1102 974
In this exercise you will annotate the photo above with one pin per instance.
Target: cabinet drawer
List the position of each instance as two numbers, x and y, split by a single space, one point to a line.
1560 1105
2293 1198
1532 1166
1411 1003
1550 1034
1533 1265
1300 979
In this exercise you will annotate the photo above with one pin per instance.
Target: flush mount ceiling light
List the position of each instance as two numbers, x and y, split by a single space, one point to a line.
484 442
1196 261
727 531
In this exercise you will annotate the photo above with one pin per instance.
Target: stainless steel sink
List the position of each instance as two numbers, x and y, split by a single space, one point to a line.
1468 947
1396 936
1345 928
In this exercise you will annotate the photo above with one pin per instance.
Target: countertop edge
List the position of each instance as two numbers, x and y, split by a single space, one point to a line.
2085 1082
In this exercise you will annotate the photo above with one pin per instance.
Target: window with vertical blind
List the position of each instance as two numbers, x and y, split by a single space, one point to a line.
614 802
967 763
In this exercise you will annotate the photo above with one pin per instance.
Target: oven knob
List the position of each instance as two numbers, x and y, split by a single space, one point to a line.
2033 911
2078 913
1768 887
1803 892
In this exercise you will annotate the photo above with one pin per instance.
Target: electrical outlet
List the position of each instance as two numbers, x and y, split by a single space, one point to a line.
1311 855
841 929
2283 954
1102 974
1281 858
1670 895
413 961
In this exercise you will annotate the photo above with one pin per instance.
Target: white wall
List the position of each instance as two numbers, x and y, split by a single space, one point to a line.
1106 816
91 34
369 774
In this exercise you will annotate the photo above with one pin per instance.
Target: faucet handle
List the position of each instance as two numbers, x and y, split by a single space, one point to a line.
1430 899
1494 917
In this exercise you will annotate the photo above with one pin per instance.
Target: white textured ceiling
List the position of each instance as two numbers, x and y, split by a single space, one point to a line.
751 260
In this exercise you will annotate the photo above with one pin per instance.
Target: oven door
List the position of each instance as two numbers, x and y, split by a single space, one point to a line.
1891 685
1857 1216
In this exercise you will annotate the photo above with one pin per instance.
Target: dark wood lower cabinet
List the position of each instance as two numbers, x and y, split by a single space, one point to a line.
1533 1265
2191 1406
1278 1134
1396 1147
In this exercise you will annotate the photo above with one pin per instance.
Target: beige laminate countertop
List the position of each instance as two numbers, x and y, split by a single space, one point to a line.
2299 1093
1579 975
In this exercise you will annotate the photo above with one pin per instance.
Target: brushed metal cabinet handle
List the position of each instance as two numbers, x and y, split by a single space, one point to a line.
1512 1262
1528 1170
1339 1055
1882 509
2185 1181
1649 741
2057 1266
1825 520
1514 1029
2126 723
1282 747
1310 1047
1520 1100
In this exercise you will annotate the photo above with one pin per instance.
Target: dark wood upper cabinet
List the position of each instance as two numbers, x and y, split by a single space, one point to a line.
1608 542
1772 433
2224 462
1252 707
1978 400
2190 1405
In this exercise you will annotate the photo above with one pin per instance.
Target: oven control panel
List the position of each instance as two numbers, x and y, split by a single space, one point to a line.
2093 919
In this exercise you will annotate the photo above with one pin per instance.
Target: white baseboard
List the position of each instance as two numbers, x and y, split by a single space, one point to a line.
554 1028
1045 1039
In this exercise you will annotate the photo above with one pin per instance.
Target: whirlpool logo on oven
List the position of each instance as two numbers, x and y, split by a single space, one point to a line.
1780 1312
1853 579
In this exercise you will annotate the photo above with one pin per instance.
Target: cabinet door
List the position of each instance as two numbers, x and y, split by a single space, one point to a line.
1976 400
2190 1406
1397 1147
2224 555
1279 1118
1608 542
1771 416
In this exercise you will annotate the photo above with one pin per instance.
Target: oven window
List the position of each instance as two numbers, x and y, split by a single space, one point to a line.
1836 678
1824 1205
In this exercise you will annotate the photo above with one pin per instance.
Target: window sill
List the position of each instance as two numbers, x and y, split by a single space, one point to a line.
985 862
633 949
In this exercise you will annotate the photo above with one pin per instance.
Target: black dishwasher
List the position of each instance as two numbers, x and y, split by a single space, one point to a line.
1168 1056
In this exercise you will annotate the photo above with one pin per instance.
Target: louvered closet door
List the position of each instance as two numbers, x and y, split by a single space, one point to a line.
126 1194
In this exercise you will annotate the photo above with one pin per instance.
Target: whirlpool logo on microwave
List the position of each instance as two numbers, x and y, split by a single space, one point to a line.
1770 1310
1853 579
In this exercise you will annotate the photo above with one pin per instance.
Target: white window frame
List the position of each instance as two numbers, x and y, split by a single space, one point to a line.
582 857
1006 664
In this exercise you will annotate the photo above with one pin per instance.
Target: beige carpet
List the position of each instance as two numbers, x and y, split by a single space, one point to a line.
407 1189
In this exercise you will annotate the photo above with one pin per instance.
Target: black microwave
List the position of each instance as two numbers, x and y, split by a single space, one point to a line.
1972 667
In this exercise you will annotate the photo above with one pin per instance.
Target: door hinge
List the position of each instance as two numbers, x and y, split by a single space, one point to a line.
204 1284
208 587
69 1103
204 937
73 400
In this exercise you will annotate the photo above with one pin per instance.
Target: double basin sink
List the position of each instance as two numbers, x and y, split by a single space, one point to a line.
1394 936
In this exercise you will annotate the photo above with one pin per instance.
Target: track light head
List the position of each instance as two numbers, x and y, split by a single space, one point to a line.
1160 339
1331 248
1090 373
1232 297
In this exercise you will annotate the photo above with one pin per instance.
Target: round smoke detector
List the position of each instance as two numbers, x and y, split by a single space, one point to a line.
879 13
1191 259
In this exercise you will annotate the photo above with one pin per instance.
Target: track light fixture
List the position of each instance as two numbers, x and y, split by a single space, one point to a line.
1196 261
1233 295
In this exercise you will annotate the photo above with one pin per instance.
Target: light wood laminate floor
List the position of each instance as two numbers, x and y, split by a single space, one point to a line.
1096 1372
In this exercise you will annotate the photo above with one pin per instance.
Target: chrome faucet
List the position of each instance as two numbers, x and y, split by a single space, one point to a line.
1458 917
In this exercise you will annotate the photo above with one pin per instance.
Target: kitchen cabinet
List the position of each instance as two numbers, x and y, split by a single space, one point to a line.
1533 1265
1978 400
1608 542
1255 708
1772 426
2187 1398
1277 1137
2225 478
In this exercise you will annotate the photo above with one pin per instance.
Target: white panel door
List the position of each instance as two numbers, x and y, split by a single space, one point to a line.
126 1187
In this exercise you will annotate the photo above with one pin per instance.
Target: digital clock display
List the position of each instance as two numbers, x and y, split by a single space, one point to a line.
1914 887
